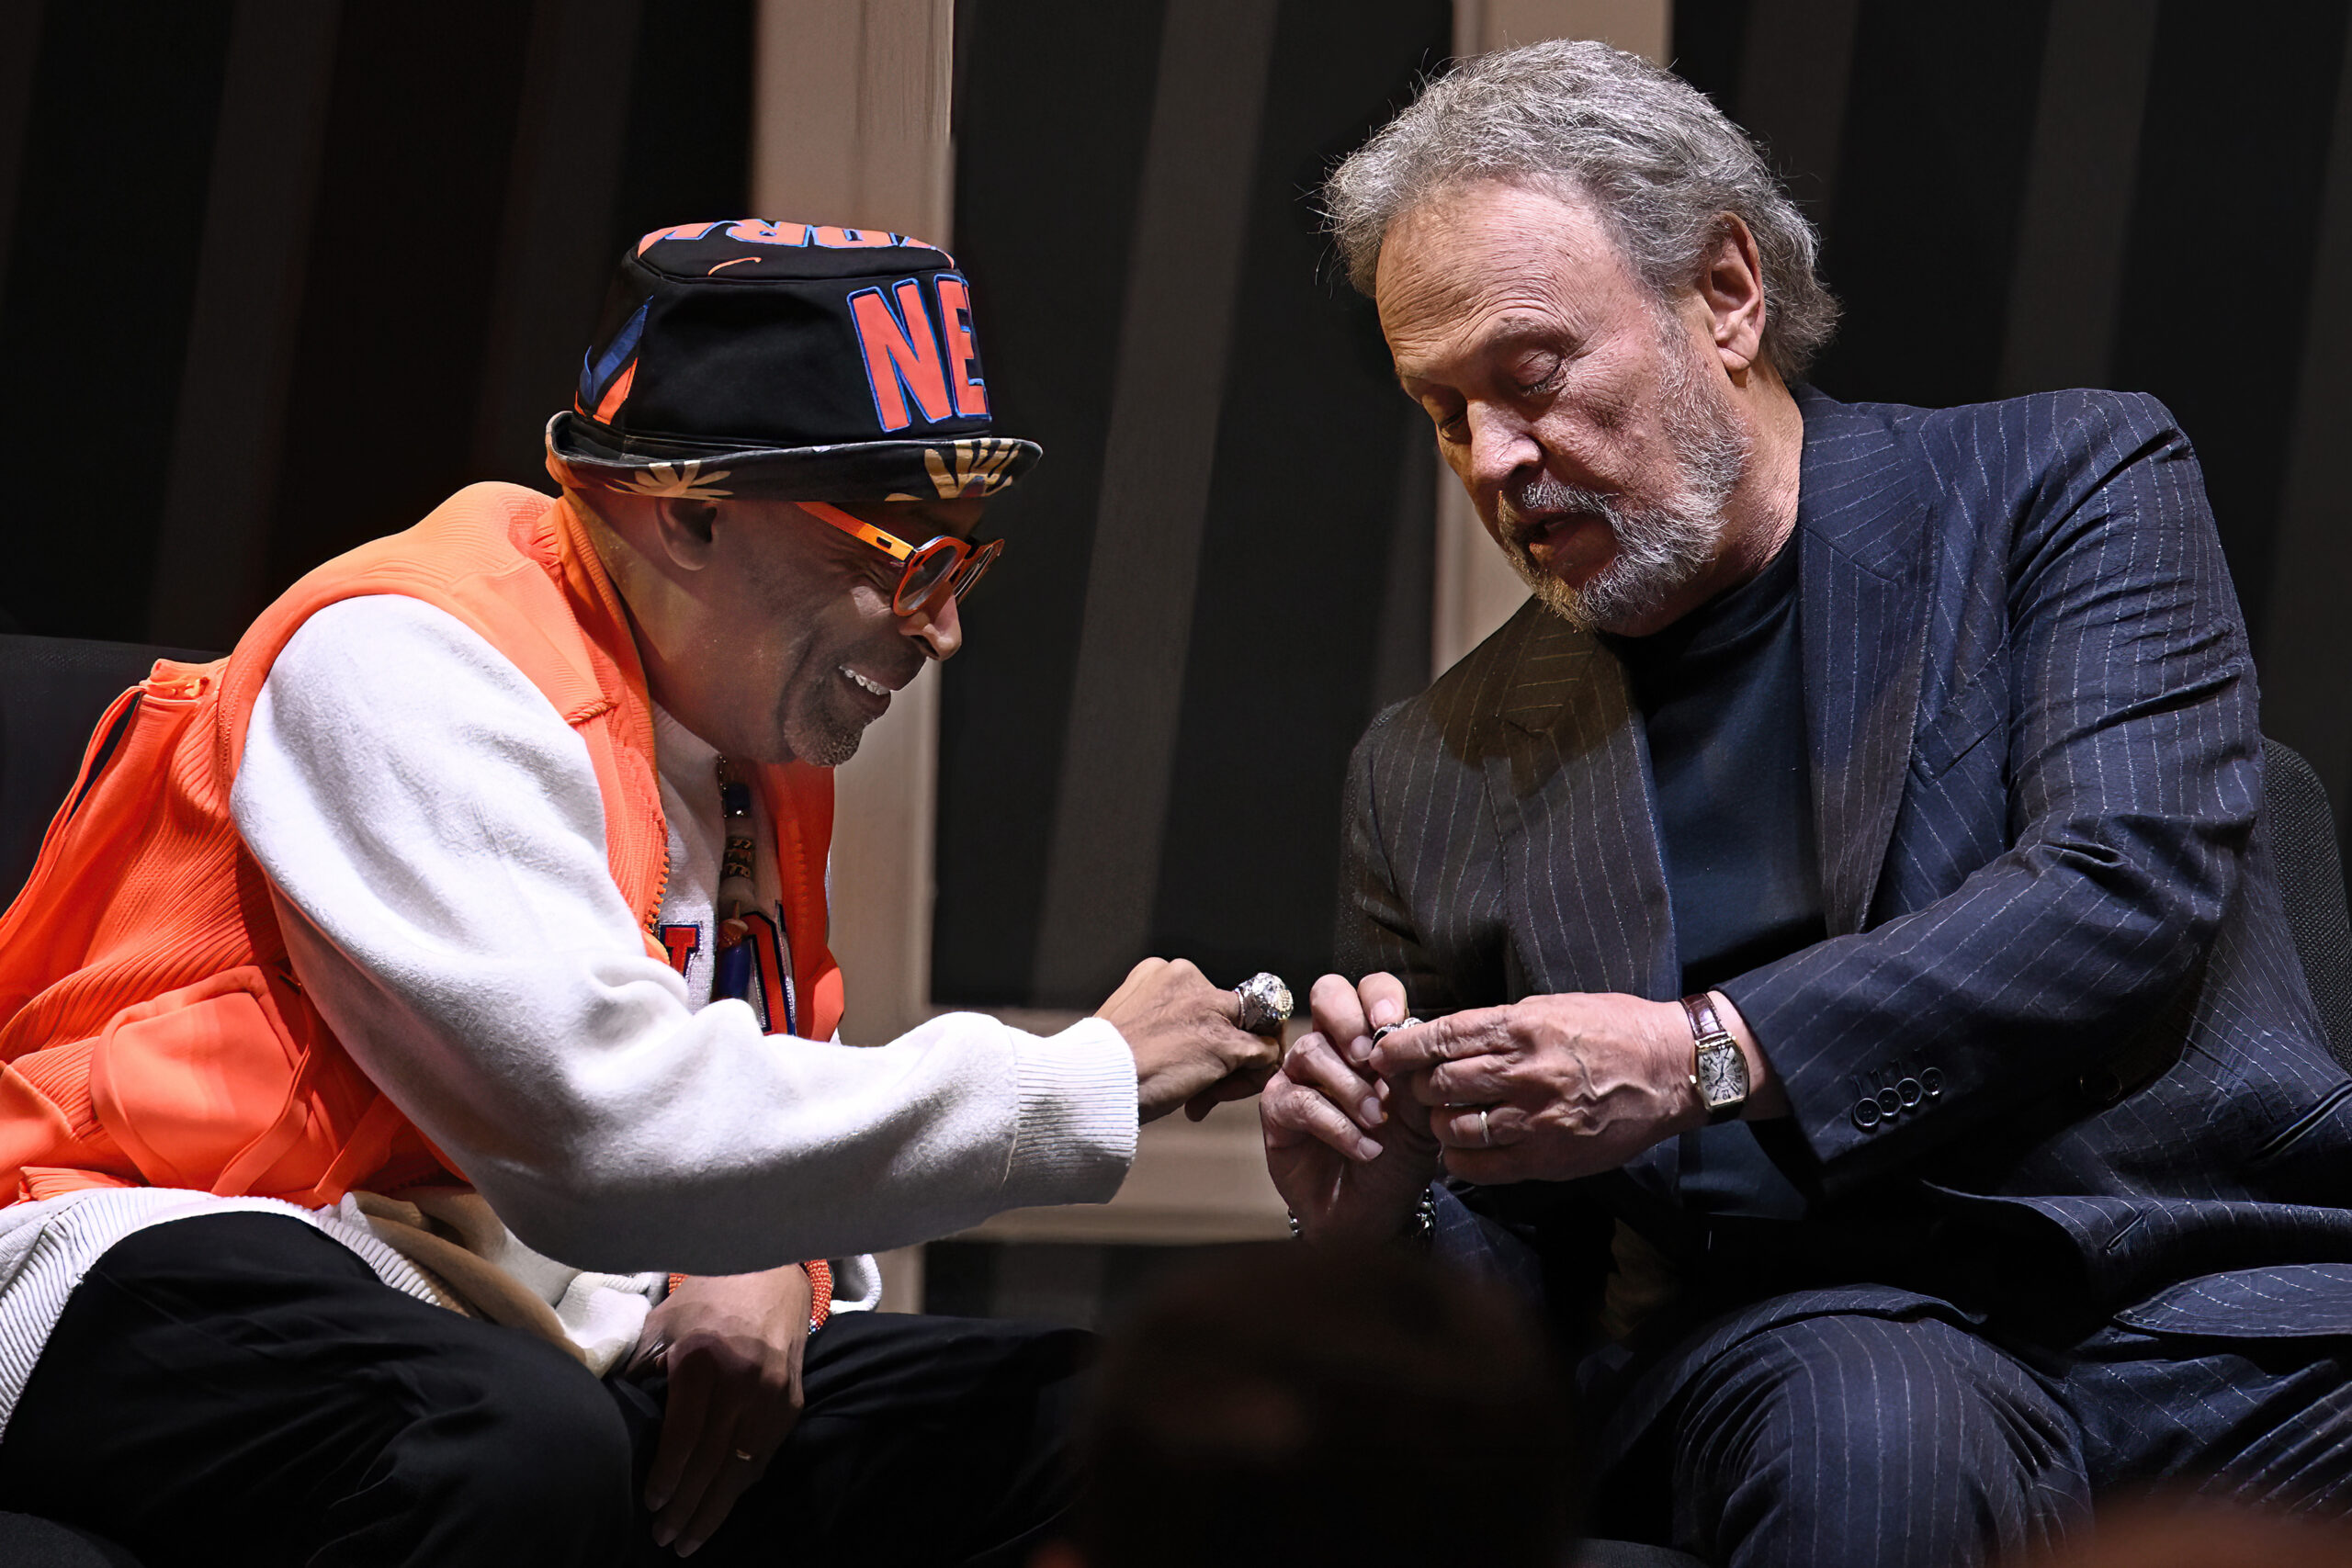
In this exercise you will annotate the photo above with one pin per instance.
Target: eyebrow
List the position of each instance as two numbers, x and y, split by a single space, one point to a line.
1513 330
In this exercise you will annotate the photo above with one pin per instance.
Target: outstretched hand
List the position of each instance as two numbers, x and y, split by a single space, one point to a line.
1189 1047
732 1347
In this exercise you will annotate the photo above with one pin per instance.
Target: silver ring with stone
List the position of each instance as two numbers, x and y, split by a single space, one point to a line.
1486 1133
1265 1004
1386 1029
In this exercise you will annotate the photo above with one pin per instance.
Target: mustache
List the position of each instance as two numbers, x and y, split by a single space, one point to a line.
897 660
1529 506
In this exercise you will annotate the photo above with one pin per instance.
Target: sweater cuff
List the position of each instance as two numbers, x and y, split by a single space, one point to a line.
1076 1135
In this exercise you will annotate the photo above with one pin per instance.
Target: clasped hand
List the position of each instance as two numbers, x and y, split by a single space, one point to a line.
732 1347
1546 1088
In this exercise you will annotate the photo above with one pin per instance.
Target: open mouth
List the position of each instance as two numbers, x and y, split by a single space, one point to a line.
1541 535
864 684
1531 530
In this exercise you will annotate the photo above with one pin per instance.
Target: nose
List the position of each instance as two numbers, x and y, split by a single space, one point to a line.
1501 444
938 626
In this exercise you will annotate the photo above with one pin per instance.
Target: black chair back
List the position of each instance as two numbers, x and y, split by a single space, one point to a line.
2311 879
53 690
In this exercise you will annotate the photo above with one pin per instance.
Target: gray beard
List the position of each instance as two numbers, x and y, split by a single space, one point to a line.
1660 546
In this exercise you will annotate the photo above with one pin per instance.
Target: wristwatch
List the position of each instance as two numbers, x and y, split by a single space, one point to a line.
1718 1070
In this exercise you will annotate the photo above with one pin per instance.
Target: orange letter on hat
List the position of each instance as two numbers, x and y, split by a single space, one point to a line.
901 353
956 316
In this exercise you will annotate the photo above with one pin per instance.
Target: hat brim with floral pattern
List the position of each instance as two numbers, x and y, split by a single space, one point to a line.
585 454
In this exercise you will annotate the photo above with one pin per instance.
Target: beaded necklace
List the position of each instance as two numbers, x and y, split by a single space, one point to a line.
731 976
736 970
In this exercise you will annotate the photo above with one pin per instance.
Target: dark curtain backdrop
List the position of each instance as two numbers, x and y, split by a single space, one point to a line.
276 276
281 275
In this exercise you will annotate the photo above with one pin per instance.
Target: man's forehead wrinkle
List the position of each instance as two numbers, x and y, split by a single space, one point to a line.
1461 282
1502 314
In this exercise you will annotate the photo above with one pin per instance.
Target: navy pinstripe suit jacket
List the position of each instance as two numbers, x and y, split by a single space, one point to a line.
2059 1020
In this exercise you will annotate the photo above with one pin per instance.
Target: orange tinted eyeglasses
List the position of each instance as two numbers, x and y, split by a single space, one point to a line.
946 565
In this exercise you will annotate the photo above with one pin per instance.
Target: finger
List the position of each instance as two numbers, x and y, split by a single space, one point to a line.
684 1412
1478 1032
1223 1000
735 1476
653 1347
1337 1011
1314 1065
1475 1128
1382 996
707 1467
1238 1085
1471 1080
768 1419
1290 1108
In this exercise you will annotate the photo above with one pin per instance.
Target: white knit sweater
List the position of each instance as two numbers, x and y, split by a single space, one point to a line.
434 833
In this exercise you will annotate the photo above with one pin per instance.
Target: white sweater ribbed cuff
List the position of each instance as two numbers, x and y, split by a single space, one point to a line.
1076 1132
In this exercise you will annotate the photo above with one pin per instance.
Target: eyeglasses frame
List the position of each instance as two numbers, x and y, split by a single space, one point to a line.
971 560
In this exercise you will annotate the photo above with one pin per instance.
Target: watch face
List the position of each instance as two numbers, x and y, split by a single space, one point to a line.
1723 1076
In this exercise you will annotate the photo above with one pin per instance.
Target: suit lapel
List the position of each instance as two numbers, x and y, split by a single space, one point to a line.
1568 781
1861 536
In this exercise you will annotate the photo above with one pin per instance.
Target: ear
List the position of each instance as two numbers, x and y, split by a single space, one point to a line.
1731 286
686 527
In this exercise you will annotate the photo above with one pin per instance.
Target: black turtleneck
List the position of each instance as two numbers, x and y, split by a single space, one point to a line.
1722 697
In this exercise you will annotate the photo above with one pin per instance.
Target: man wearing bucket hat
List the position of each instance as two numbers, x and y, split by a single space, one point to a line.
470 916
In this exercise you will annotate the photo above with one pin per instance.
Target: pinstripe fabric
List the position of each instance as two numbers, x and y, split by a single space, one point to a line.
2036 777
1902 1441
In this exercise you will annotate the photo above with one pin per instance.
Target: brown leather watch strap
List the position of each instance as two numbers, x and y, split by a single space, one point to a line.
1703 1021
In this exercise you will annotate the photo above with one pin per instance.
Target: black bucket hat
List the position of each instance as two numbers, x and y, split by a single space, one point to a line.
784 360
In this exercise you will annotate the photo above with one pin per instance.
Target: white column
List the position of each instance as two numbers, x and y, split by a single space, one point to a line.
1476 590
850 126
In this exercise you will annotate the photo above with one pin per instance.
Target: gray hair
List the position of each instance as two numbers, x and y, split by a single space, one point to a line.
1659 163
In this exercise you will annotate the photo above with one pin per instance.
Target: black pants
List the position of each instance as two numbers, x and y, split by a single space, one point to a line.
239 1389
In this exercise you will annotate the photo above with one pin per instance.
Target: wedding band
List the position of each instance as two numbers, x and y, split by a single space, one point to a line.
1486 1133
1265 1004
743 1454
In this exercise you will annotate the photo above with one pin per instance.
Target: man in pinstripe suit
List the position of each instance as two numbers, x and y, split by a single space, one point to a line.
1994 1158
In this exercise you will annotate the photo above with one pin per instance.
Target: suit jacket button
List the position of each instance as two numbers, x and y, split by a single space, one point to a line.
1890 1102
1866 1114
1931 1080
1910 1092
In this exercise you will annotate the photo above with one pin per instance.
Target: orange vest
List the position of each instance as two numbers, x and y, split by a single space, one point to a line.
153 1032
